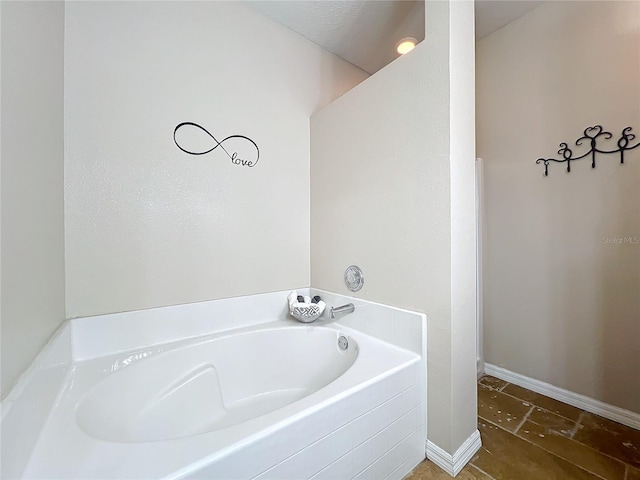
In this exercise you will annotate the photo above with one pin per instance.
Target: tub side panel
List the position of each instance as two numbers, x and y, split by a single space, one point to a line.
375 426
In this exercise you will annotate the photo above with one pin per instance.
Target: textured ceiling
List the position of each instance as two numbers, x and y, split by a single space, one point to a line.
365 32
362 32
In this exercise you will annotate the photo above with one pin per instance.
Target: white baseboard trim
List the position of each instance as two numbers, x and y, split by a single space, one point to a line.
617 414
452 464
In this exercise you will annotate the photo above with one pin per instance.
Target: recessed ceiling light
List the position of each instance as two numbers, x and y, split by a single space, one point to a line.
406 45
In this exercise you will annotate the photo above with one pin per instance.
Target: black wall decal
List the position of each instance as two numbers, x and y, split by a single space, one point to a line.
591 134
248 158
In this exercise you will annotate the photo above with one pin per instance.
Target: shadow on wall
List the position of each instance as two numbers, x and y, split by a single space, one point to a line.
619 294
332 83
597 291
561 297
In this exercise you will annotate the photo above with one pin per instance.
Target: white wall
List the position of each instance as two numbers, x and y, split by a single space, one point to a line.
561 305
392 190
148 225
32 181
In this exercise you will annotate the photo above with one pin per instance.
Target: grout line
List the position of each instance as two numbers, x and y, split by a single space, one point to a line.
503 387
500 426
537 406
556 454
572 434
536 446
524 419
590 447
480 470
578 422
574 430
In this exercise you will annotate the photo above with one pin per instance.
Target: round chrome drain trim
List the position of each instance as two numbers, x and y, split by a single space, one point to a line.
354 278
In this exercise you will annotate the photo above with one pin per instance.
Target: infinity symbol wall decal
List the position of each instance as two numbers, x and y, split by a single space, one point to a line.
246 160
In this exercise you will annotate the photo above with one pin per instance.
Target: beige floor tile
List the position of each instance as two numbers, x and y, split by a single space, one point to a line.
541 401
501 409
543 447
430 471
554 422
492 382
507 457
614 439
572 451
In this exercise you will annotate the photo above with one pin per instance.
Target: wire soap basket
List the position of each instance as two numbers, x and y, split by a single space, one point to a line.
306 311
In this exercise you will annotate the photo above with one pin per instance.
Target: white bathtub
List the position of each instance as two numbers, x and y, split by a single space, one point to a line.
274 400
225 381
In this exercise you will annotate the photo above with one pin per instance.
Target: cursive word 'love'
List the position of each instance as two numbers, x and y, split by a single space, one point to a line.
230 145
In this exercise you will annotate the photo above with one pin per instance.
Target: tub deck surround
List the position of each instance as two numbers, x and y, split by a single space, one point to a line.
403 328
337 414
26 408
103 335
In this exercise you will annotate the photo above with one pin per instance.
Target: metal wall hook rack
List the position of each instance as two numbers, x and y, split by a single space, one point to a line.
591 136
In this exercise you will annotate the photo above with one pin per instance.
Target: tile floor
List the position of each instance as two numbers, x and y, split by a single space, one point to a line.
527 436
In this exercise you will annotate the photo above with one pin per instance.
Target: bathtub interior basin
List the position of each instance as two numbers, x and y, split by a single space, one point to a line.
212 384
